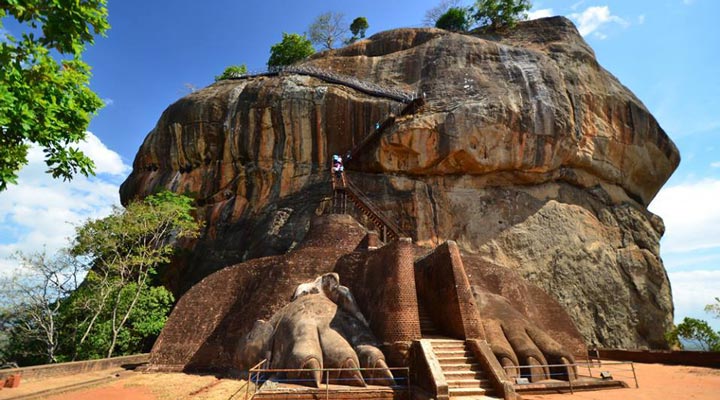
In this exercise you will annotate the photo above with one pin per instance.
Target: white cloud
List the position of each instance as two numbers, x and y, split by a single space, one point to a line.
542 13
691 215
576 5
106 160
688 2
593 18
715 164
108 101
40 211
692 291
641 19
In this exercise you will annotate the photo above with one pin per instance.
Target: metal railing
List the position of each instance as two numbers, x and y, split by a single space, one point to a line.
257 376
334 77
612 369
389 230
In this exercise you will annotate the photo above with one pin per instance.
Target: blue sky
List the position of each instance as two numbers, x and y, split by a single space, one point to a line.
665 51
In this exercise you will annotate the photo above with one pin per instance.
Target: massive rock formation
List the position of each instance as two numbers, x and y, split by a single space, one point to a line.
527 153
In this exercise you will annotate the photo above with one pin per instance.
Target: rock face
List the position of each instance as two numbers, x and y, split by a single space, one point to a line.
527 153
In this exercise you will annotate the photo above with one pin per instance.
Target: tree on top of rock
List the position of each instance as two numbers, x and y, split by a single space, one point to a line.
232 71
497 14
291 49
328 29
358 28
433 15
455 19
43 100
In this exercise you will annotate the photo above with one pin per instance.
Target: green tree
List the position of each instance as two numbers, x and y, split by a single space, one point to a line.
45 99
714 308
31 301
497 14
291 49
143 325
47 315
232 71
695 331
455 19
433 14
358 28
125 249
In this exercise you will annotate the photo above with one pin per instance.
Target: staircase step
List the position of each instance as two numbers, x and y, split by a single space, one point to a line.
456 360
452 353
466 383
448 346
447 342
473 367
451 375
466 392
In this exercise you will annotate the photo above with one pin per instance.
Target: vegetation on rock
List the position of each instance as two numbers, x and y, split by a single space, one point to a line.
432 15
232 72
291 49
358 28
44 95
496 14
455 19
328 29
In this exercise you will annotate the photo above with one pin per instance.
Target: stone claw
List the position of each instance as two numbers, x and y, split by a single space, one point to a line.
350 375
310 372
380 377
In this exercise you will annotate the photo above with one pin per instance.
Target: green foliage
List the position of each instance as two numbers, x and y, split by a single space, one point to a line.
116 309
291 49
695 331
358 28
497 14
44 100
31 300
455 19
327 29
126 248
232 71
145 321
714 308
433 14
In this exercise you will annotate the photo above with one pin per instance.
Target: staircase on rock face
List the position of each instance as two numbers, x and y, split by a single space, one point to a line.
463 372
427 326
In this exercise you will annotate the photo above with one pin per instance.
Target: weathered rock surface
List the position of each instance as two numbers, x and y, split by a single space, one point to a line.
266 308
528 154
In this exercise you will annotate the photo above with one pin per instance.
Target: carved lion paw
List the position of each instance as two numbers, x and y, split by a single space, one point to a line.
312 333
516 341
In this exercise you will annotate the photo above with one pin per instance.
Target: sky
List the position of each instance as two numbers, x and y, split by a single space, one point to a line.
665 51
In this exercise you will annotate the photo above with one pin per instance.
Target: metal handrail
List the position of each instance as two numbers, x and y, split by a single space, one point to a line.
326 371
334 77
575 366
249 380
363 201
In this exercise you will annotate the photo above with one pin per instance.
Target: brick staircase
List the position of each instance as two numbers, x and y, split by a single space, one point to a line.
463 373
427 326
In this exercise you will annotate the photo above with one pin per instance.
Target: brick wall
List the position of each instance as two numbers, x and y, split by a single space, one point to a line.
445 292
383 284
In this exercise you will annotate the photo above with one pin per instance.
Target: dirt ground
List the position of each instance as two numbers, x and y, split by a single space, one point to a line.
657 382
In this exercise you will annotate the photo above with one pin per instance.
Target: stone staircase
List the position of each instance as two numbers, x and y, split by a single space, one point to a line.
427 326
463 373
